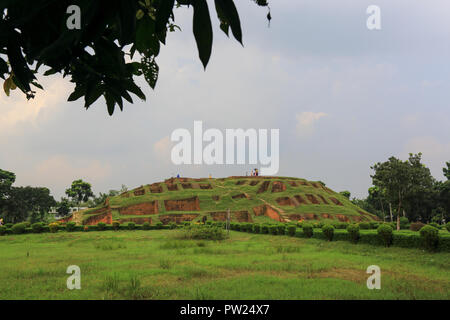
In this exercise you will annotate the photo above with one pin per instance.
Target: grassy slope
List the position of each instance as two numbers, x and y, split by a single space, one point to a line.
226 188
246 266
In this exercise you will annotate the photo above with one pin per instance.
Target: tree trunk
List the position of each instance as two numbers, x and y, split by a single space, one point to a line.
390 211
398 214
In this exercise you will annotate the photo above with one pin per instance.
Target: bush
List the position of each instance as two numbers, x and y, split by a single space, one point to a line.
37 227
146 226
281 229
430 236
203 232
256 228
265 229
307 230
173 225
416 226
384 232
340 225
434 224
131 225
101 226
70 226
54 226
290 230
9 225
19 228
353 231
374 225
159 225
328 231
447 226
116 225
364 226
2 230
404 223
273 229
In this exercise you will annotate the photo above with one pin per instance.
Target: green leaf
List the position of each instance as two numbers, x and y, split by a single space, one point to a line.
3 68
202 30
228 10
7 85
163 12
110 103
77 93
146 39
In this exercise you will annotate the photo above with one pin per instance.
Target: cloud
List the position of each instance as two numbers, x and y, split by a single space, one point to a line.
58 172
17 109
162 148
306 121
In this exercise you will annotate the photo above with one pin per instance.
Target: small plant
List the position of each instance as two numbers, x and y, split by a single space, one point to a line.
159 225
416 226
307 230
19 228
353 231
447 226
165 264
54 226
2 230
116 225
146 226
328 231
385 233
340 225
434 224
173 225
101 226
256 228
290 229
70 226
430 236
131 226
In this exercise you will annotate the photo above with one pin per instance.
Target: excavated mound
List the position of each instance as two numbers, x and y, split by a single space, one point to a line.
140 209
249 199
190 204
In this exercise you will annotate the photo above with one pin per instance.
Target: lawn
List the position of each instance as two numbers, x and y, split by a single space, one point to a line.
156 265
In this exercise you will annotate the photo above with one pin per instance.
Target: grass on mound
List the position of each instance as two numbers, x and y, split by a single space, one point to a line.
159 265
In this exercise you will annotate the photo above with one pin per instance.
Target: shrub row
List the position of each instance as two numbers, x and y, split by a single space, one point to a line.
428 237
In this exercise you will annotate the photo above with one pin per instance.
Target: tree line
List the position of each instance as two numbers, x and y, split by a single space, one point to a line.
407 189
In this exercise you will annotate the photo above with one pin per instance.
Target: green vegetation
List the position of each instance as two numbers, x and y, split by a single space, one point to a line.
158 265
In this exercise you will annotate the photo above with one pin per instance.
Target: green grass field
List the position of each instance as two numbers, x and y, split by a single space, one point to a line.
156 265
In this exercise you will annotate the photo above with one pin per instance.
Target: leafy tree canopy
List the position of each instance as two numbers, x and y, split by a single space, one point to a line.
35 34
80 191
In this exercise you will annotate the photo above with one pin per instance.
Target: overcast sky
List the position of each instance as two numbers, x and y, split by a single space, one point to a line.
343 97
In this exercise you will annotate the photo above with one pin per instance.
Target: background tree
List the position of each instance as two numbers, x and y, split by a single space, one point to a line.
28 203
406 183
63 207
35 34
80 191
6 180
345 193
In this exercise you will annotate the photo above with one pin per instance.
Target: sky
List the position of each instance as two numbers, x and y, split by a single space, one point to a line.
343 97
